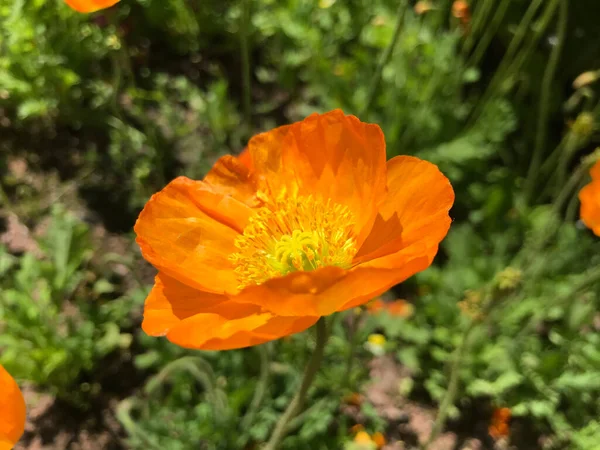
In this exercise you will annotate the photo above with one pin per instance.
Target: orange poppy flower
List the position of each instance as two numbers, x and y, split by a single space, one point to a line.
12 411
589 197
315 222
499 426
88 6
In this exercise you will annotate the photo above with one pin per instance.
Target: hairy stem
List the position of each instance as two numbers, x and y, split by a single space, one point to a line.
295 405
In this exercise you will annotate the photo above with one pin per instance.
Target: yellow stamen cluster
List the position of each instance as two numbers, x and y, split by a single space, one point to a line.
294 234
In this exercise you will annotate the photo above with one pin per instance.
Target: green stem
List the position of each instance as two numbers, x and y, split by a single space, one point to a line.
245 50
450 394
385 58
515 66
490 31
542 125
533 250
352 350
480 17
591 278
295 405
514 45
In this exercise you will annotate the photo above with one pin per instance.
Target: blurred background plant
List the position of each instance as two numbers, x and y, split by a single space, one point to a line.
97 112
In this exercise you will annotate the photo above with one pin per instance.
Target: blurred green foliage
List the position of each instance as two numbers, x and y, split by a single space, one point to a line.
124 100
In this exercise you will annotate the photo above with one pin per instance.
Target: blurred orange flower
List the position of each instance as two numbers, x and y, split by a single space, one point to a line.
88 6
12 411
460 10
499 426
421 7
313 222
397 308
378 439
589 197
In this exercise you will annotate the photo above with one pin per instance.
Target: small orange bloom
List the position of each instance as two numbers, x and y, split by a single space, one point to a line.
315 222
378 439
460 10
88 6
375 306
400 308
12 411
499 426
397 308
589 197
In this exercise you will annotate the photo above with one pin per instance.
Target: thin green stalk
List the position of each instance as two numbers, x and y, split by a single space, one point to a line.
571 213
480 17
450 394
245 19
515 43
490 31
592 277
259 394
385 58
542 124
352 350
515 66
533 250
295 405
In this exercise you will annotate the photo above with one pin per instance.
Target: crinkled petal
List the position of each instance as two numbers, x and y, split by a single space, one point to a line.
324 291
171 301
332 156
12 410
414 210
232 176
195 319
215 332
88 6
188 231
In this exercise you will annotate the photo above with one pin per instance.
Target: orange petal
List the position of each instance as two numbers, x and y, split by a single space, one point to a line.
12 411
88 6
589 212
216 332
196 319
187 231
414 210
246 159
333 156
171 301
324 291
232 176
420 197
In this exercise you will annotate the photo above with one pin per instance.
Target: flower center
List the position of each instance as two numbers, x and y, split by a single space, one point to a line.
298 234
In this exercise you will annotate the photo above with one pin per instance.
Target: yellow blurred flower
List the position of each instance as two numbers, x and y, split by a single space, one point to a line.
376 344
